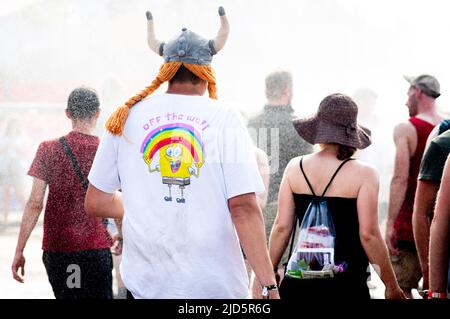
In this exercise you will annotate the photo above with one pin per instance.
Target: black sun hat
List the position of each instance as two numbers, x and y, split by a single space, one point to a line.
335 122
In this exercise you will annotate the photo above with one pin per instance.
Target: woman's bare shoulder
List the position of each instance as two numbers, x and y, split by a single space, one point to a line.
364 170
292 169
294 162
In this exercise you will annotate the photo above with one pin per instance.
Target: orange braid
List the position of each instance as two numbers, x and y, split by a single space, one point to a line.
206 73
116 121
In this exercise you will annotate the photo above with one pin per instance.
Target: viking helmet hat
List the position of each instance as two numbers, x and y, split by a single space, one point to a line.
188 49
187 46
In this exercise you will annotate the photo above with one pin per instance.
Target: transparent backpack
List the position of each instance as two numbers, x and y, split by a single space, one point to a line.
313 256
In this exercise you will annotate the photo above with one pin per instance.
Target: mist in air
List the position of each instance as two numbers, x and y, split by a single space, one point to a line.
360 48
49 47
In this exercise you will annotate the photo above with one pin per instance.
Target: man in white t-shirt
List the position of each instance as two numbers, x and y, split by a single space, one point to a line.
188 176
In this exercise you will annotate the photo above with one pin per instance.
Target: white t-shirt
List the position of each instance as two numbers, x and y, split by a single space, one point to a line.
177 163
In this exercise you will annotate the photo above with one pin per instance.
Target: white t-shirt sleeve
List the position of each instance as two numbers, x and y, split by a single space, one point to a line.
104 173
239 166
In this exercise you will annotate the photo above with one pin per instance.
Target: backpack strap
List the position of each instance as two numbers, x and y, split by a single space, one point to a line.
334 175
74 162
306 178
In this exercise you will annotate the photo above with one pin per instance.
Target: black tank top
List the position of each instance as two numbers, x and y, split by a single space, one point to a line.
348 249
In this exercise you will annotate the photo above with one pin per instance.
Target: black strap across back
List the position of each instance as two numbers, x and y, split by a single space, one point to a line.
74 162
312 191
77 169
331 180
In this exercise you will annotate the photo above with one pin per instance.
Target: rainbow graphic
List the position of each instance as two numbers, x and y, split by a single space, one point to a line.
179 133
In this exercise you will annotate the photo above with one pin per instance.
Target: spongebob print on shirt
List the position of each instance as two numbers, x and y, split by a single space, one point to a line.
176 152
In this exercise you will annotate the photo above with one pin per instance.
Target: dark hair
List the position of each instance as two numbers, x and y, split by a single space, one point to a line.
183 75
83 103
345 152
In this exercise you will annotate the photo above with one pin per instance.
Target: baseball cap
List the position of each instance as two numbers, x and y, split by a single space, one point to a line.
427 83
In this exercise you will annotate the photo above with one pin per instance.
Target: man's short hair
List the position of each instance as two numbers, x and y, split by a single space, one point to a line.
83 103
276 83
183 75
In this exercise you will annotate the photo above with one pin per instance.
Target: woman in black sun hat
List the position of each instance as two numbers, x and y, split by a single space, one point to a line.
350 190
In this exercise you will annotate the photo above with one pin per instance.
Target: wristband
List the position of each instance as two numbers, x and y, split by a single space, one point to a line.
437 295
266 289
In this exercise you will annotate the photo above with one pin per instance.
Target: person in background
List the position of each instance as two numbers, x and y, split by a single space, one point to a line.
11 167
76 246
440 240
116 252
428 185
366 99
263 167
438 130
409 138
272 130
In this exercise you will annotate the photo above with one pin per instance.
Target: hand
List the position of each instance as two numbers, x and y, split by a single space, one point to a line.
116 249
257 293
390 241
18 263
257 290
274 294
394 293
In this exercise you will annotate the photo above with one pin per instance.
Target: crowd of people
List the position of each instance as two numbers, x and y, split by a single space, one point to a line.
192 195
11 168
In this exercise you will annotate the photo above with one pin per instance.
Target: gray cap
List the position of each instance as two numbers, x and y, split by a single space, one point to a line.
427 83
